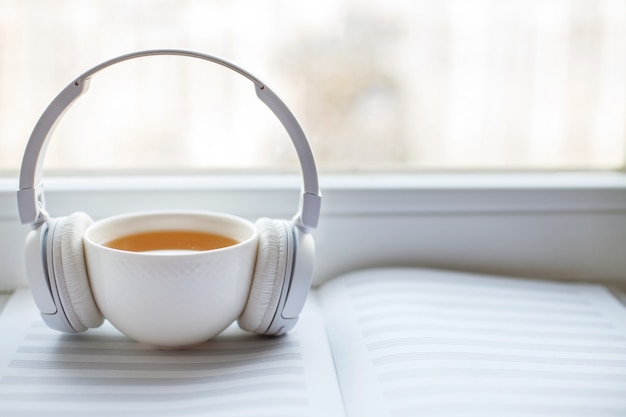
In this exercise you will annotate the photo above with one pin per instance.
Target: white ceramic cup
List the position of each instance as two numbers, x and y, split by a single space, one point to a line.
171 299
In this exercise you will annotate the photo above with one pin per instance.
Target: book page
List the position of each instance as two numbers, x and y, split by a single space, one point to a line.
410 342
102 373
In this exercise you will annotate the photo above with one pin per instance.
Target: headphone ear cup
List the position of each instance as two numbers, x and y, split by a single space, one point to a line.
269 275
70 271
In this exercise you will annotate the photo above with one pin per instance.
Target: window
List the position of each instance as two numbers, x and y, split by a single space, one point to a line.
378 85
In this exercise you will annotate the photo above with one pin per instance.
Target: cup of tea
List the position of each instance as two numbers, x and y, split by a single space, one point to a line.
171 279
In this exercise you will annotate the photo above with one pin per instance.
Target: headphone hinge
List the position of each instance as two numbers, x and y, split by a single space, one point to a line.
30 203
309 211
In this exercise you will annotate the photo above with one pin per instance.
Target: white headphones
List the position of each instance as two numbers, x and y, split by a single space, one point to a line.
54 248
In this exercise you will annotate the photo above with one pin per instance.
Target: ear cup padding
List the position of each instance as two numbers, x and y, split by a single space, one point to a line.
71 272
269 275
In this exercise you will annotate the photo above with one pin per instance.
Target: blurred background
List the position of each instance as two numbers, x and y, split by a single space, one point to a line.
378 85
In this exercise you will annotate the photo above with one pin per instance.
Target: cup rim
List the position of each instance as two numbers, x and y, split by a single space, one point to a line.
129 217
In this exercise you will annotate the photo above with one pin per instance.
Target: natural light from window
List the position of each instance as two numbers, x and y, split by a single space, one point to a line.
378 85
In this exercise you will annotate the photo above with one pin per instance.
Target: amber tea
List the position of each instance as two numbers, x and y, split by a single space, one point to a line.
163 240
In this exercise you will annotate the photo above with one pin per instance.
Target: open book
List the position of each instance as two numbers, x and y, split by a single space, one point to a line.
382 342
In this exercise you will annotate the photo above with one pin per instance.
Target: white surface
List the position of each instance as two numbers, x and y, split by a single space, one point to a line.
419 343
404 342
102 373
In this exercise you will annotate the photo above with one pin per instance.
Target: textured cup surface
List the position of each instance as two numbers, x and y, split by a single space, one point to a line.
171 299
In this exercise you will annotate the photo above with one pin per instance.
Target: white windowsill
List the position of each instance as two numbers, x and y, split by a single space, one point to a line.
484 192
548 225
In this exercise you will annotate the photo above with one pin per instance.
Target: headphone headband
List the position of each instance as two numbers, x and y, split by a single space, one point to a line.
31 202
